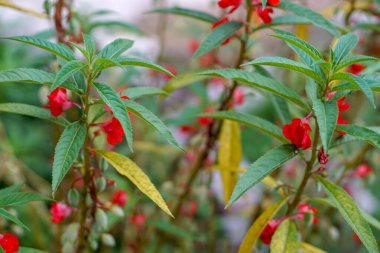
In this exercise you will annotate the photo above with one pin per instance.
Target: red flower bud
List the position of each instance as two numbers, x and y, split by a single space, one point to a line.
120 198
59 212
304 209
363 170
9 242
189 209
138 220
298 133
273 2
323 158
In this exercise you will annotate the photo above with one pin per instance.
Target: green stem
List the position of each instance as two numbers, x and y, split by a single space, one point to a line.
307 174
83 231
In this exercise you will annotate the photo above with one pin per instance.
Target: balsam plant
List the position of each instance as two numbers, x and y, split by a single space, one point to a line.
76 148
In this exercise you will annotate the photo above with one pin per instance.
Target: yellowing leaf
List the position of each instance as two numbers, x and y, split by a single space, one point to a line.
307 248
229 156
8 4
128 168
285 239
258 226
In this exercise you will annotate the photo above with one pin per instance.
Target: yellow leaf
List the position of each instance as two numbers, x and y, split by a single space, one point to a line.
307 248
8 4
258 226
285 239
128 168
229 156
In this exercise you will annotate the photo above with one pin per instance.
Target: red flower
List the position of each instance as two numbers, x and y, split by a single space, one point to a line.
273 2
59 212
238 97
363 170
58 102
356 69
138 220
205 121
298 133
304 209
187 129
268 232
193 45
342 105
221 22
114 131
189 209
264 14
224 4
323 158
120 198
341 121
9 242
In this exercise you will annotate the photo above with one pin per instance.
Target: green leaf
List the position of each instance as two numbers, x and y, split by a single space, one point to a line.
66 72
261 168
129 169
57 49
33 111
282 108
351 213
5 214
360 82
217 37
352 59
29 250
183 80
142 63
199 15
115 48
287 64
115 23
251 121
113 100
299 43
138 92
26 75
327 115
259 81
259 225
90 45
66 151
11 189
373 85
361 133
263 3
21 198
344 46
285 239
314 17
151 119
